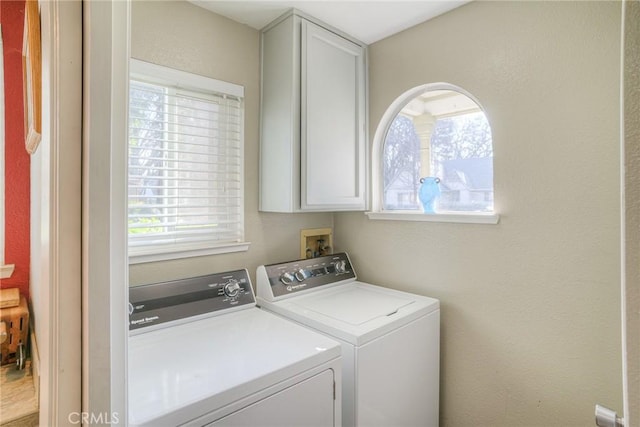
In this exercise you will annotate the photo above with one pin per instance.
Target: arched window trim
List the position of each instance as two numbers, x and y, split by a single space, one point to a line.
378 211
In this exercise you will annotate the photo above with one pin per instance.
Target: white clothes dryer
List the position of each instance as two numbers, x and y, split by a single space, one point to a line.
390 339
201 353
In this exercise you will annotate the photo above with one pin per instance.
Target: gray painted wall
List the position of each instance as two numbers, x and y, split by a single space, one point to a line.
180 35
531 306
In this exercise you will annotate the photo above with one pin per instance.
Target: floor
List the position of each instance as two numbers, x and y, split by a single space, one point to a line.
18 400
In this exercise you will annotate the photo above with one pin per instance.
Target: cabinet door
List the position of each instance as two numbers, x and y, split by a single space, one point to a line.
333 121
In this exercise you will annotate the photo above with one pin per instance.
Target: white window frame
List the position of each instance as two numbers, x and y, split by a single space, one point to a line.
161 75
377 205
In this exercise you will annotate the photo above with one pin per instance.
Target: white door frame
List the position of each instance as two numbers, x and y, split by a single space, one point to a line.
104 215
57 204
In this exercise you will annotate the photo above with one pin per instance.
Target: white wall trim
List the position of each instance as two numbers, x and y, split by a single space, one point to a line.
152 256
35 363
182 79
104 213
458 217
57 313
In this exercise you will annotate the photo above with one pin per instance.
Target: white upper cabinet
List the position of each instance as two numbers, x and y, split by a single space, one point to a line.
313 119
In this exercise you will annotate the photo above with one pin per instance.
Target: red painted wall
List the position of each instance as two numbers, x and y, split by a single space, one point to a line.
16 160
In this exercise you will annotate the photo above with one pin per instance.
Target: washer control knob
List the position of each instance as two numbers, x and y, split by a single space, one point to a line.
302 275
232 288
287 278
341 266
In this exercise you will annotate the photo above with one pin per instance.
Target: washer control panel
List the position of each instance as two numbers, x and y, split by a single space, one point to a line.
295 276
158 303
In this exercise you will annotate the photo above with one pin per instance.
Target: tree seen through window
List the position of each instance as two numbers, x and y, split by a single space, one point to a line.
430 138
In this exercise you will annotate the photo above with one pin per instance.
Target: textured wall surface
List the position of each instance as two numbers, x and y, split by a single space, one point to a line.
183 36
16 160
531 306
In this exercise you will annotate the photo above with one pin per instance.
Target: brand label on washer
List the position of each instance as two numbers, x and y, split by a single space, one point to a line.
297 276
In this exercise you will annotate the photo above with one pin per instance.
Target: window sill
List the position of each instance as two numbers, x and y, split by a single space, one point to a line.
458 217
141 257
6 270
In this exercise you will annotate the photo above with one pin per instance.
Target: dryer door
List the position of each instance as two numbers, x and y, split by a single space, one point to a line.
308 403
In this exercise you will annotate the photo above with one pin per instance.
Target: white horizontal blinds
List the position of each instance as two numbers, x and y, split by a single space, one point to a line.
185 167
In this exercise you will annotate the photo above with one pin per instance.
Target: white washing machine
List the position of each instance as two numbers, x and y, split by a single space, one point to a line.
201 353
390 339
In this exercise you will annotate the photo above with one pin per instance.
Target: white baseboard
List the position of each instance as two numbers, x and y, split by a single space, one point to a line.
35 364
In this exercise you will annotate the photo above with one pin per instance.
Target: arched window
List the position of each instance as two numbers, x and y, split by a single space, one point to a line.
434 154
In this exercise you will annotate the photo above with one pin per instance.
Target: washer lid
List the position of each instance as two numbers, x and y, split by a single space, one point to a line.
355 312
356 305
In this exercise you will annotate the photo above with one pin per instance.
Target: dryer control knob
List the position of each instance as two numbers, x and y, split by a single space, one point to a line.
287 278
232 288
302 275
341 266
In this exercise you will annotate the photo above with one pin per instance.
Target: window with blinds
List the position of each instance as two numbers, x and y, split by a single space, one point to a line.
185 191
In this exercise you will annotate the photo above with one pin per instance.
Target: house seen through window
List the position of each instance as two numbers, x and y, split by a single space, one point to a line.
443 135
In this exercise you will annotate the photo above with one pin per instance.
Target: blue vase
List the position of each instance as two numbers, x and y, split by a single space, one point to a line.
429 191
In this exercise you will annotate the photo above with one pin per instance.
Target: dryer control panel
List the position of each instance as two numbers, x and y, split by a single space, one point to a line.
297 276
168 303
